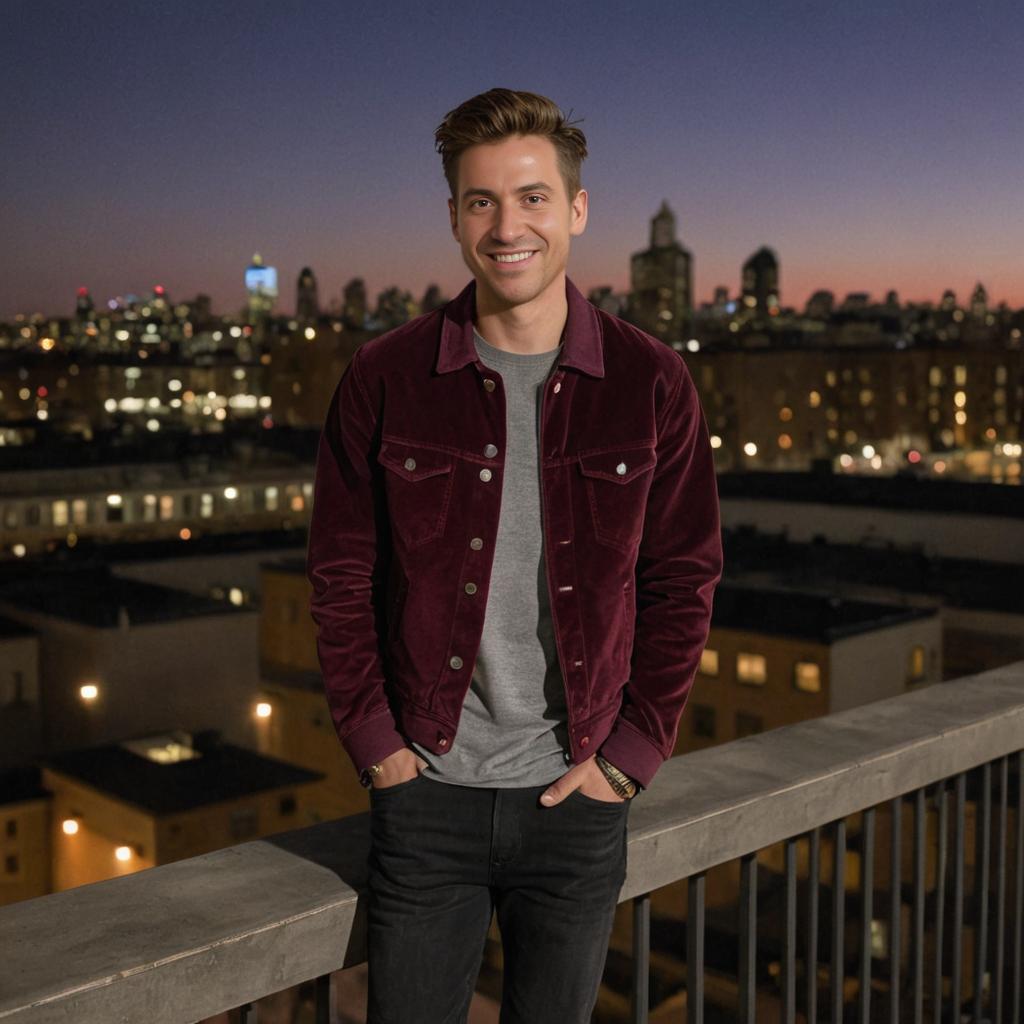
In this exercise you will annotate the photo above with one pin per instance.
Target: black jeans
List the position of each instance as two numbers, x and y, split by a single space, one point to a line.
444 857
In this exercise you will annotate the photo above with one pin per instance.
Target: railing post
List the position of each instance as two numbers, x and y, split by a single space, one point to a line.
641 958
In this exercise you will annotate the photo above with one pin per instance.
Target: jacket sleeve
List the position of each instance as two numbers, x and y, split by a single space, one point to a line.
678 567
343 548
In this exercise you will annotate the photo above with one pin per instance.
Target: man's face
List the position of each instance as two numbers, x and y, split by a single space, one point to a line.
512 202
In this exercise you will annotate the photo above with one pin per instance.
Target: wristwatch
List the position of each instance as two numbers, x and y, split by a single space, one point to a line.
367 775
618 780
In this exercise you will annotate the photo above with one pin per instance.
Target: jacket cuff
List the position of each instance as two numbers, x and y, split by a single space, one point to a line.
632 752
373 740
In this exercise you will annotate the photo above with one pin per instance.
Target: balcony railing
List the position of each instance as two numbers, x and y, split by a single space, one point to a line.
187 940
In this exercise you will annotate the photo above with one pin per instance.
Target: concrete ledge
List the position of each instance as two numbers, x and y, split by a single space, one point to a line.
176 943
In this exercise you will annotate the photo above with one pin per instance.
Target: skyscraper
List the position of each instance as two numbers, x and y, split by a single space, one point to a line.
261 287
761 282
661 281
307 305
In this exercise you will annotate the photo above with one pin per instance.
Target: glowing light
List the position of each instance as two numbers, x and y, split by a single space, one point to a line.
263 710
913 456
750 448
174 385
693 345
231 493
123 853
716 441
18 550
70 826
90 691
47 344
868 451
114 500
185 533
311 332
236 597
153 425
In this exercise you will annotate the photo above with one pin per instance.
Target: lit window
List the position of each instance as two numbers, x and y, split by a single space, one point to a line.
60 513
206 505
79 512
807 676
751 668
271 494
166 506
149 508
916 666
709 662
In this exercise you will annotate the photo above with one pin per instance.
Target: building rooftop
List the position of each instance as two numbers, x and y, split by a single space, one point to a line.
827 565
9 629
909 492
20 784
222 771
818 616
93 596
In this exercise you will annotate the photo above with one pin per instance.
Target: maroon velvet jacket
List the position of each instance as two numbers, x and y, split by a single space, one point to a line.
405 512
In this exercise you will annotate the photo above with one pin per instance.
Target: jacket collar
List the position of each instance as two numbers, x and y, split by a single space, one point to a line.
581 338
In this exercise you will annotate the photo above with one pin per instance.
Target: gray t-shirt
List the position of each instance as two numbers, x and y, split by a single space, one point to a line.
513 728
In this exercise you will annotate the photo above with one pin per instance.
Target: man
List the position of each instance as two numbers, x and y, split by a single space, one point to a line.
513 551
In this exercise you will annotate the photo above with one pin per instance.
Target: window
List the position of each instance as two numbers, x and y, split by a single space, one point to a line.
751 669
748 725
704 721
807 676
11 863
32 515
206 505
915 669
80 512
60 513
149 508
12 828
709 662
166 506
271 493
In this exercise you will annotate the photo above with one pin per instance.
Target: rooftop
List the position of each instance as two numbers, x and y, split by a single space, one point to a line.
93 596
818 616
223 771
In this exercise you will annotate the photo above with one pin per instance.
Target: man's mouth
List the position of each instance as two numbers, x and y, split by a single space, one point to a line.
511 257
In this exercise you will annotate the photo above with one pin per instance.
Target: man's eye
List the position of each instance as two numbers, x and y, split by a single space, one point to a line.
528 198
475 201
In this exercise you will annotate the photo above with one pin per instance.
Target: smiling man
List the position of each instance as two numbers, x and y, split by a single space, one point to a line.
513 551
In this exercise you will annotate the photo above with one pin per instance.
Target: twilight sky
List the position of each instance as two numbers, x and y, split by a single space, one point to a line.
872 145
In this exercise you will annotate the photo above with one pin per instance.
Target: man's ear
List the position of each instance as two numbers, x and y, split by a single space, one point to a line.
579 213
453 216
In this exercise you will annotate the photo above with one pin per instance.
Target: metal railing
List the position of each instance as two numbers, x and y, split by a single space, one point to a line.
186 940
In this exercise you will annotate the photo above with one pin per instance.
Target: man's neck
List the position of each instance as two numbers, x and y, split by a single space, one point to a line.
529 328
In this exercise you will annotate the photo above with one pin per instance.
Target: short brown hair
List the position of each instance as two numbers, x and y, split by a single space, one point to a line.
498 113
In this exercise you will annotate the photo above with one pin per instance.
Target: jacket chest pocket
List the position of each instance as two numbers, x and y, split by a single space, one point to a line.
418 482
616 485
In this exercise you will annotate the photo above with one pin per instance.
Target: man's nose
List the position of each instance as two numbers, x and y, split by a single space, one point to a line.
508 225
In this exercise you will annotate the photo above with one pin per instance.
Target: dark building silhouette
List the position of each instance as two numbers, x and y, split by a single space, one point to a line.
354 305
661 281
307 304
761 282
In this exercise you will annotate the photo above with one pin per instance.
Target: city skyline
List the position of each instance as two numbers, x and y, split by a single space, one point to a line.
867 147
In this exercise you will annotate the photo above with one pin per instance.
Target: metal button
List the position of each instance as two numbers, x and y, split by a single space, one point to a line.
476 543
485 475
621 469
490 450
442 741
567 756
488 383
557 387
455 661
584 741
410 463
470 588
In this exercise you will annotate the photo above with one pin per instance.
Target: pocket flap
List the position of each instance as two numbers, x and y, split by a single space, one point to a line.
619 466
413 462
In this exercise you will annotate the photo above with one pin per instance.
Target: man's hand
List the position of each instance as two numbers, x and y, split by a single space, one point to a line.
402 765
588 778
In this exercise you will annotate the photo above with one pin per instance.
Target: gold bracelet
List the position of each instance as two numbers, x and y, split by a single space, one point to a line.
623 785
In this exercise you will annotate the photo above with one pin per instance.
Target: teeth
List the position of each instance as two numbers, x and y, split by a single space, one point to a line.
513 258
